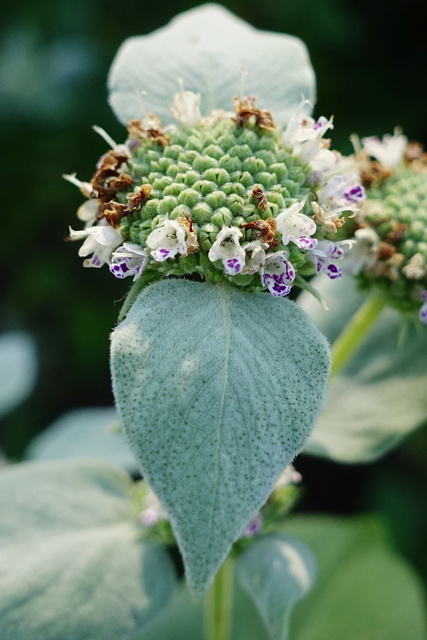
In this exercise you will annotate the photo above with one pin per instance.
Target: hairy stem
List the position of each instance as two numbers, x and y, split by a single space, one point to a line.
355 331
219 604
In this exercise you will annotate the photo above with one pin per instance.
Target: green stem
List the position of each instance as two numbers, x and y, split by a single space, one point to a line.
219 604
353 334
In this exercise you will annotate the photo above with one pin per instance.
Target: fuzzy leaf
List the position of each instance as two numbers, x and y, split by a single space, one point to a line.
84 433
18 367
207 47
217 391
380 395
71 564
276 572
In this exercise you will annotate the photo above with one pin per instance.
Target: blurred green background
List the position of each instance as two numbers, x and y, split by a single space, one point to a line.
54 58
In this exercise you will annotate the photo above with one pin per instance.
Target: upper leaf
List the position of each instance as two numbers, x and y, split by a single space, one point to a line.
217 391
207 47
379 397
276 572
71 564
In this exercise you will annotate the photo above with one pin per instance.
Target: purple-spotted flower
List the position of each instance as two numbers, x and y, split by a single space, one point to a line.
389 151
167 240
423 309
255 256
325 256
228 249
303 135
128 260
278 274
254 527
341 191
100 241
363 252
296 227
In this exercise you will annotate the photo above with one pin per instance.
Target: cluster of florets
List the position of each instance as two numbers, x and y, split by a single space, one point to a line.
391 227
226 197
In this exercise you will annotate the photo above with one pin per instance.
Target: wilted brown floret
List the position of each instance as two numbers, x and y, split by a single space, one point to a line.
148 129
266 231
373 172
245 109
260 198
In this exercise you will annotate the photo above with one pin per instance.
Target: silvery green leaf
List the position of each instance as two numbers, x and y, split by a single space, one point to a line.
71 563
276 572
380 395
217 391
18 366
207 47
84 433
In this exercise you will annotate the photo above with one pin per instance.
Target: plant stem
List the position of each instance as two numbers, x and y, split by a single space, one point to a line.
219 604
353 334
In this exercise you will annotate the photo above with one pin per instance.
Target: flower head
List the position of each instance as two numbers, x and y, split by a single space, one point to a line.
220 196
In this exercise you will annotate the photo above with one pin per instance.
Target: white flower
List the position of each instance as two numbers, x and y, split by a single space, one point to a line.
296 227
423 310
153 510
255 256
303 135
167 240
88 211
324 257
186 108
227 248
390 151
341 191
288 476
416 267
278 274
85 187
128 260
363 252
100 240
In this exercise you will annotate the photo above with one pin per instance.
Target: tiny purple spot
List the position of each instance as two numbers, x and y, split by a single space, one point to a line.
355 194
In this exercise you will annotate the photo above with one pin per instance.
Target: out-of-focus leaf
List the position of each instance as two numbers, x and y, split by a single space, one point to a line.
208 47
71 563
364 590
18 367
380 396
276 572
84 433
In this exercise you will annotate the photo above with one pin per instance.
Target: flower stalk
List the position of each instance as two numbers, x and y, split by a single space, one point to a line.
219 604
355 331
